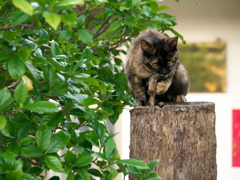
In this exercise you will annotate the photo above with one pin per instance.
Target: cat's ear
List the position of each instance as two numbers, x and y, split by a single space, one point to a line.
171 43
146 46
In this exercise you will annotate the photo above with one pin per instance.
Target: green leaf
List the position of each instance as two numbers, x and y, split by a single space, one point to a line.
90 81
177 34
14 175
27 176
87 54
99 129
99 115
101 164
14 148
21 94
43 137
133 170
24 6
81 20
152 165
53 119
32 70
152 176
16 68
70 157
56 86
117 32
122 8
102 1
19 17
26 140
52 19
83 160
31 151
6 99
53 162
78 149
70 176
146 11
58 142
5 131
23 129
65 35
36 170
112 173
161 8
100 155
130 21
114 117
128 3
4 55
116 24
80 64
69 2
90 101
133 162
85 36
55 48
109 149
3 122
25 43
122 168
152 25
80 111
135 2
92 137
69 18
41 107
84 174
95 172
9 162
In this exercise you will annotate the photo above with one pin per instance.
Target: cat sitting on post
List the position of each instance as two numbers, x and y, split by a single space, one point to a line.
153 71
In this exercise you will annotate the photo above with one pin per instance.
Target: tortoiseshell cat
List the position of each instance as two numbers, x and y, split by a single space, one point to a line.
153 71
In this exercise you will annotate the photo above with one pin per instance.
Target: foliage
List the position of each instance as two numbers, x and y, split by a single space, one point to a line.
60 78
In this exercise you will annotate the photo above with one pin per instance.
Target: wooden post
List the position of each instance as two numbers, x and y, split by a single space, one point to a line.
181 136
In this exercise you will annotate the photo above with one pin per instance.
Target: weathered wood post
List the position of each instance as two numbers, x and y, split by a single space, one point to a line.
181 136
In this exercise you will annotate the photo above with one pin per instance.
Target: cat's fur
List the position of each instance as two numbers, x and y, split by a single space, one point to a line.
153 71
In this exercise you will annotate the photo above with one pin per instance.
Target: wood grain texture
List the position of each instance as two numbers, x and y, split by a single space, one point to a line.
181 136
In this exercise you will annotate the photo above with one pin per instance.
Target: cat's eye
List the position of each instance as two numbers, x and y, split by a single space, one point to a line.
170 61
155 64
147 54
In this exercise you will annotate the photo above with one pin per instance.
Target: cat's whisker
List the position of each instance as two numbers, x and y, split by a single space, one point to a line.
152 75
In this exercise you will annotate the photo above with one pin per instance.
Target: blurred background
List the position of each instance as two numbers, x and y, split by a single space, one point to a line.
204 23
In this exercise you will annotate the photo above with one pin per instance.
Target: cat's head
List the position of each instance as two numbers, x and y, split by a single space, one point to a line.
160 55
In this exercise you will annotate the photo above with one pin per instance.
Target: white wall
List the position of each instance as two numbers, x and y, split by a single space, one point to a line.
210 20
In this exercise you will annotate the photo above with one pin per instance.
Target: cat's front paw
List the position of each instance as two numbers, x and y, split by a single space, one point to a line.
180 98
161 88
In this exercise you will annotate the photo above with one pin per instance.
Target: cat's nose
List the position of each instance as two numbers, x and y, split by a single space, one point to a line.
163 71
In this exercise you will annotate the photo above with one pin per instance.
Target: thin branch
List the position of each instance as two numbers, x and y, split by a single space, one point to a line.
82 10
105 99
36 163
32 160
114 45
17 26
106 27
98 33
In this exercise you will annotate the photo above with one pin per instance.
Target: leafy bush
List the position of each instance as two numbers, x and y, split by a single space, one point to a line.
60 78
